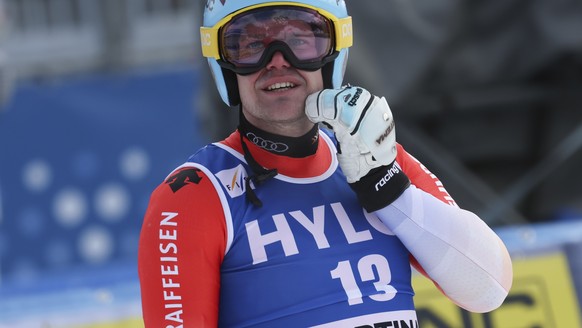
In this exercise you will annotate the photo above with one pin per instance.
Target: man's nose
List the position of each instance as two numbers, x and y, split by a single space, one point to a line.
278 61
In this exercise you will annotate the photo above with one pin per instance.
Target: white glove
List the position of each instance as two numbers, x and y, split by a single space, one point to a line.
363 125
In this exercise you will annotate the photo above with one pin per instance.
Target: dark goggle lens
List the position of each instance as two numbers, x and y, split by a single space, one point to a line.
304 32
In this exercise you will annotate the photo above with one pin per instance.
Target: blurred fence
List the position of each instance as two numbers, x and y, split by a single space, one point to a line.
52 37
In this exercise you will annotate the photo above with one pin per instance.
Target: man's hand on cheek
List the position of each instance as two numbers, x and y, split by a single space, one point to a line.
364 127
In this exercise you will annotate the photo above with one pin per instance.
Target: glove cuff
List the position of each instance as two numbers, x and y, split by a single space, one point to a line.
381 186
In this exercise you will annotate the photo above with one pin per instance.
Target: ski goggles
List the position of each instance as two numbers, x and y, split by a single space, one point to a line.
244 42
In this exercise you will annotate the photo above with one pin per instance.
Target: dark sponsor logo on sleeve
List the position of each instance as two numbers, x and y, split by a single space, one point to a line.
182 178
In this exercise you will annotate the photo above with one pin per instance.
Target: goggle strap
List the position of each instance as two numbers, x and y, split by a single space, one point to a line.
208 40
343 33
209 35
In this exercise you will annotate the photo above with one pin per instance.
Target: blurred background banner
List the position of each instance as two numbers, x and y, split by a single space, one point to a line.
79 161
100 100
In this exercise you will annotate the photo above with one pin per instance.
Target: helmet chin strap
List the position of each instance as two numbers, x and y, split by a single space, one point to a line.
293 147
260 174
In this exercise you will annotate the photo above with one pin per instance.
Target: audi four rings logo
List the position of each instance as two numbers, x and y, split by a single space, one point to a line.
277 147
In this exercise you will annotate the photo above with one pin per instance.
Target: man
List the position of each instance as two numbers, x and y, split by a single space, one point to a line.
286 225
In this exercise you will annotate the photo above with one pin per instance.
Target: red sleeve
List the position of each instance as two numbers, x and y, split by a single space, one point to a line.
423 179
181 248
